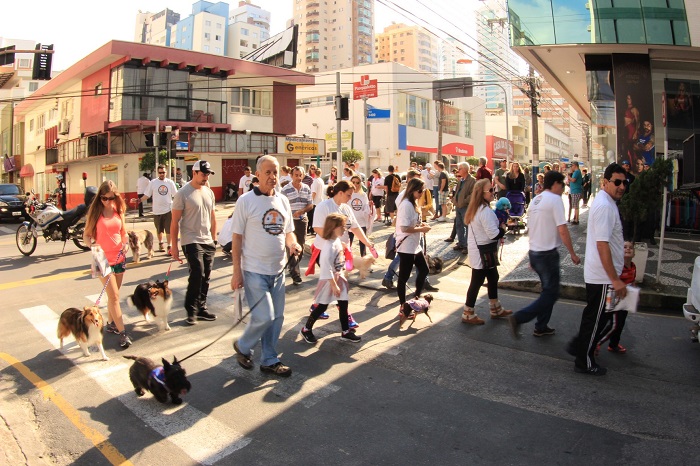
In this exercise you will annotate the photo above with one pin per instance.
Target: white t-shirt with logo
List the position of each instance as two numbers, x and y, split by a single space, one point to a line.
263 222
407 217
360 207
545 214
377 184
162 193
245 183
328 207
603 225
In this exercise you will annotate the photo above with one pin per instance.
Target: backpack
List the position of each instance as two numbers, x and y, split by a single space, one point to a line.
396 184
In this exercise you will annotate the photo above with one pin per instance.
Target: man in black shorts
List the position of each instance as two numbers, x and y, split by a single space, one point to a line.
391 192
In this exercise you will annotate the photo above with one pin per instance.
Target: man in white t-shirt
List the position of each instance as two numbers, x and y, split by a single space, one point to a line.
602 269
318 195
262 228
141 185
547 231
162 190
244 183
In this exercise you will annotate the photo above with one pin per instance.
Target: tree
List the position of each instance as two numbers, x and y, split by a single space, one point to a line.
473 161
148 161
352 155
645 194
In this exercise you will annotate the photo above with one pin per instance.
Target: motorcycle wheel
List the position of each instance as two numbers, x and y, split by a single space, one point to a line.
78 237
26 241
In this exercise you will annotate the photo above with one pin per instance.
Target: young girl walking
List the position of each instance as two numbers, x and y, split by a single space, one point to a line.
332 285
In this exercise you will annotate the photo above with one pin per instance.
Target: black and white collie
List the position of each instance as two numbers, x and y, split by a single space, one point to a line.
153 298
86 327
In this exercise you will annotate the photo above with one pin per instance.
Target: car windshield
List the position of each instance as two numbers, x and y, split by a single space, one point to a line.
9 189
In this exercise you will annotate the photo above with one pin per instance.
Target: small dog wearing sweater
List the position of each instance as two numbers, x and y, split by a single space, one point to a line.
414 306
168 379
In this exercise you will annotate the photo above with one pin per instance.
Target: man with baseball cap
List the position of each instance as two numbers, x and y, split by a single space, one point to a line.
193 214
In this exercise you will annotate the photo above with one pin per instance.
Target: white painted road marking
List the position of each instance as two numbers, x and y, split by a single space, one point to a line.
182 430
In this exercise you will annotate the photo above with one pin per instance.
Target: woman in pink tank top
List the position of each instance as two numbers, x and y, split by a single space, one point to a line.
105 229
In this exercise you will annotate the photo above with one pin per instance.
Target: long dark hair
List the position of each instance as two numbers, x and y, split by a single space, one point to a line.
415 184
340 186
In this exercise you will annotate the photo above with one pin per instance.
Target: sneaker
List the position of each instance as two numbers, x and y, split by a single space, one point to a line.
277 369
442 219
191 320
351 322
323 316
545 331
308 335
124 340
244 360
111 328
296 281
350 336
204 315
619 349
595 370
514 326
388 284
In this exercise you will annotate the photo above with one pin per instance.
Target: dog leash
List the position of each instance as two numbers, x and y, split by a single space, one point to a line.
236 324
97 303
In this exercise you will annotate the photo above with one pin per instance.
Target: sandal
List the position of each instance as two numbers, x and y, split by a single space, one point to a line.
497 311
470 317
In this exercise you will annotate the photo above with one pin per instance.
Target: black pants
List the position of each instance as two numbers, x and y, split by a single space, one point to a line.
406 262
593 322
363 250
613 328
586 195
141 204
478 278
200 258
300 232
310 227
321 308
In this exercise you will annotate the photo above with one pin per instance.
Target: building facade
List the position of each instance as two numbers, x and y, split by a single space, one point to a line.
154 28
411 46
204 30
102 120
334 36
494 53
253 15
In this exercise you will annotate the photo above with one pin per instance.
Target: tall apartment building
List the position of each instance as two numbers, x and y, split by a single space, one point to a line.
334 34
411 46
495 55
453 61
154 28
204 30
248 27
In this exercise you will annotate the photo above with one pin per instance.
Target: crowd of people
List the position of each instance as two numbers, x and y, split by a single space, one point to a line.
277 207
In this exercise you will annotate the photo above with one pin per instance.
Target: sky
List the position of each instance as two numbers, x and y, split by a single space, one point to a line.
78 27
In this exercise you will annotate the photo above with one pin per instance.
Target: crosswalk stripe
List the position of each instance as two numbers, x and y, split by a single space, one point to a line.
182 429
7 230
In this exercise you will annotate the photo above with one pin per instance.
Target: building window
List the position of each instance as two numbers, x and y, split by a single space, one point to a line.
217 49
251 101
218 25
206 48
413 111
207 36
31 125
25 63
244 32
207 23
244 43
33 86
217 37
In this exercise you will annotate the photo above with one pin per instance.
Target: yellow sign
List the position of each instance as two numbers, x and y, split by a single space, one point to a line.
191 158
110 167
300 146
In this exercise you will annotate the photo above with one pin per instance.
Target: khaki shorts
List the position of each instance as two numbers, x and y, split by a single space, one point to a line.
162 222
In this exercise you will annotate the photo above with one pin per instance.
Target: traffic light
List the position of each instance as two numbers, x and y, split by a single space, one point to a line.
149 139
342 111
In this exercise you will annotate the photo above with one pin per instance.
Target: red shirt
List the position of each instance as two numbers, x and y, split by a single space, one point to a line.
628 273
484 172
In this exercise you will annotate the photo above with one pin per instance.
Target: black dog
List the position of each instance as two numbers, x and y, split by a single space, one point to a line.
159 380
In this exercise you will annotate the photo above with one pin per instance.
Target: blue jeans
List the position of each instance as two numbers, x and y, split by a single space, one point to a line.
391 271
266 317
546 264
436 195
461 228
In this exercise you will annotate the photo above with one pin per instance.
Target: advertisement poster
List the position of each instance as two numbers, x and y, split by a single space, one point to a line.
682 97
634 110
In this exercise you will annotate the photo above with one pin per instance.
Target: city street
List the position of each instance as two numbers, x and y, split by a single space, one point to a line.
430 393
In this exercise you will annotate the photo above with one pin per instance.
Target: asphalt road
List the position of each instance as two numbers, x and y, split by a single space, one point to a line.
440 393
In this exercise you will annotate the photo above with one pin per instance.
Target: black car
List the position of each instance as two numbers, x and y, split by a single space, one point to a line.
11 202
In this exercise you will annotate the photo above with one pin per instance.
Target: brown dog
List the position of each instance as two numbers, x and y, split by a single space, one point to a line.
85 326
140 238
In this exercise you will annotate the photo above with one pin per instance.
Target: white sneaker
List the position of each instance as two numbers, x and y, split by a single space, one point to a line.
442 219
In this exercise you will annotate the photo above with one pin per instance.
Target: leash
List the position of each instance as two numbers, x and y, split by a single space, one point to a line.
235 324
97 303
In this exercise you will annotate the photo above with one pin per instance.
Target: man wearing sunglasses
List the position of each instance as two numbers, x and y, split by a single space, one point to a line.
602 268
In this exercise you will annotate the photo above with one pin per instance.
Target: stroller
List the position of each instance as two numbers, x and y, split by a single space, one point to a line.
516 219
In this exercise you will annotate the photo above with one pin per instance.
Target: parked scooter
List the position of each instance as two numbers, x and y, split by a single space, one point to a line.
691 309
53 223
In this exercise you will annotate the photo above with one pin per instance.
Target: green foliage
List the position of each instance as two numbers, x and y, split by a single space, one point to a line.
473 161
352 156
646 193
148 162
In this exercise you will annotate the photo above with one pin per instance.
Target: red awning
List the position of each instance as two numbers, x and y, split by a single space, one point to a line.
26 171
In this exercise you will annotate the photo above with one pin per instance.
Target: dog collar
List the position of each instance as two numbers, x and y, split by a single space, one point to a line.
158 375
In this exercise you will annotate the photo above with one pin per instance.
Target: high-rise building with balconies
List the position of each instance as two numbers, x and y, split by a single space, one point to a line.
411 46
333 36
154 28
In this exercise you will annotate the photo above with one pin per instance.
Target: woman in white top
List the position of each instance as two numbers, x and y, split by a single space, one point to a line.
483 230
377 192
361 208
408 230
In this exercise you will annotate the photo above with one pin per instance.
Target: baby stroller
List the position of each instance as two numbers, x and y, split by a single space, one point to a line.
516 218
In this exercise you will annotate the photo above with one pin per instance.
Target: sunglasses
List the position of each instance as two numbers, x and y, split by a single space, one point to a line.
105 198
161 173
619 182
489 191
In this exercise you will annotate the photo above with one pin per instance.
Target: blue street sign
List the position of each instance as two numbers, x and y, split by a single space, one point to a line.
181 145
378 113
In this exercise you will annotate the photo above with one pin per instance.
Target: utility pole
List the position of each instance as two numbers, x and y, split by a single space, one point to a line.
441 113
534 94
339 131
156 141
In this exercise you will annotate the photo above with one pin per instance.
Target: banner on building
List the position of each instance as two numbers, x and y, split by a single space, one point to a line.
300 146
365 88
345 141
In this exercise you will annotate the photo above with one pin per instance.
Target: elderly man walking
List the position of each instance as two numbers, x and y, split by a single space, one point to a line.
547 230
262 230
299 196
463 193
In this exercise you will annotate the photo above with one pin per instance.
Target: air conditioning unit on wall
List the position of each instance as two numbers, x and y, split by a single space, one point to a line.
63 126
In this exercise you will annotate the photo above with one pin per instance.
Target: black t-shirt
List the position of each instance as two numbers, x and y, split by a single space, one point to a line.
388 181
443 176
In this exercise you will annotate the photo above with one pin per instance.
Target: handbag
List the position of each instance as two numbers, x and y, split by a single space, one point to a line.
99 265
390 247
488 253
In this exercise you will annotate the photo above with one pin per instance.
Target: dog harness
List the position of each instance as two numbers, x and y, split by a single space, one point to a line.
158 374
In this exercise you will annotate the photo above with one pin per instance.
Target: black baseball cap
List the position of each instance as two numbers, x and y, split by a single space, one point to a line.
202 166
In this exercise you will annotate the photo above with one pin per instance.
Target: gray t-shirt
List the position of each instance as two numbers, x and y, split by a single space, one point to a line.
197 206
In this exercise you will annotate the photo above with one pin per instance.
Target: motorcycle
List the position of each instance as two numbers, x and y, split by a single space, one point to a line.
53 223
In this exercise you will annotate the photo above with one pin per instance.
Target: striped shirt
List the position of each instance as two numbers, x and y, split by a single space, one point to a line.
298 199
